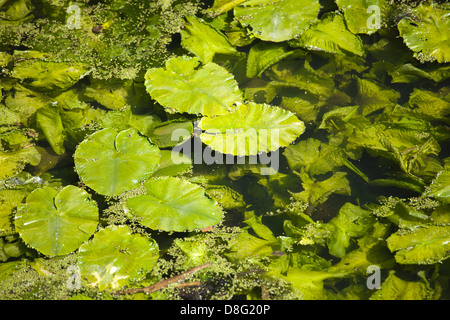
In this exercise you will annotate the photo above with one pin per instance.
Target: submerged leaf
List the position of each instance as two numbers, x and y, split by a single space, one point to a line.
173 204
56 223
251 129
277 20
115 257
263 55
314 156
210 90
300 74
351 222
112 162
429 104
372 96
48 119
317 192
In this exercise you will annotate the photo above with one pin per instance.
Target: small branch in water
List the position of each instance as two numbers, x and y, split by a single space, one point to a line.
167 282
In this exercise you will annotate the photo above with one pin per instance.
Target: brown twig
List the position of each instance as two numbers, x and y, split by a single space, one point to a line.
167 282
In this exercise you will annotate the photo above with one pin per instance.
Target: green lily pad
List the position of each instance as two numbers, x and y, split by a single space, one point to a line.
173 204
263 55
183 87
427 34
115 257
56 223
112 162
277 20
251 129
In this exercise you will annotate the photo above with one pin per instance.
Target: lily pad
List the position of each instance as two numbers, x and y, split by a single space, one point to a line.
56 223
115 257
427 33
277 20
183 87
173 204
251 129
112 162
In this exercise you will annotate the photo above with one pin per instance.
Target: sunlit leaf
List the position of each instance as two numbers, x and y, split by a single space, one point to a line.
363 16
12 162
277 20
252 128
396 288
205 41
183 86
330 34
9 200
173 204
112 162
115 257
56 223
422 245
440 187
426 33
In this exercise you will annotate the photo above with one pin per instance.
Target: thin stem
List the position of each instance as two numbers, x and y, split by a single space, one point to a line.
167 282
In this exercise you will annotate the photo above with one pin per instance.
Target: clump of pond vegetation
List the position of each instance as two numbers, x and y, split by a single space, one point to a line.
135 161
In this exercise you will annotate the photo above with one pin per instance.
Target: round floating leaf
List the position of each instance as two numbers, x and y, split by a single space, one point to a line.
115 257
173 204
277 20
251 129
427 34
209 90
111 163
56 223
